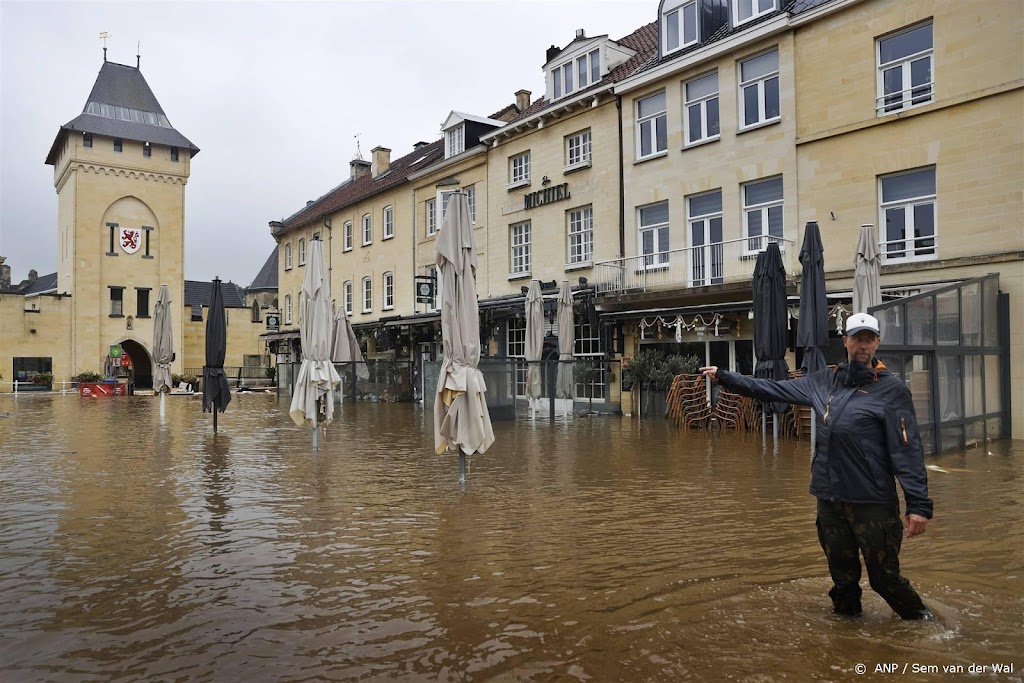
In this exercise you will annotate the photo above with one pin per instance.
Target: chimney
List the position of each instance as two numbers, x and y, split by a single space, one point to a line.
309 202
360 167
381 161
5 274
580 34
522 99
552 53
417 145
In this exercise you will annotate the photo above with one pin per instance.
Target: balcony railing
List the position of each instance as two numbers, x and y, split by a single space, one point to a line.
711 264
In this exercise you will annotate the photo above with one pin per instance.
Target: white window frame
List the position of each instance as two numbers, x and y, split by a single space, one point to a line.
367 223
910 249
471 200
520 242
650 122
287 309
660 257
519 170
576 73
578 150
302 251
515 347
288 256
707 260
367 295
758 83
587 346
455 141
430 209
755 10
580 236
701 103
907 99
347 296
754 244
346 241
388 219
443 199
389 290
681 11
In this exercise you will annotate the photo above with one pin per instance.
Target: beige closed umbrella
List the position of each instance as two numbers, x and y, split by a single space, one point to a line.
867 290
345 346
534 342
564 383
461 419
313 395
163 346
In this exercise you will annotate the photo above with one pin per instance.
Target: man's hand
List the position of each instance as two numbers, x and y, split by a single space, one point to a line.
710 371
916 524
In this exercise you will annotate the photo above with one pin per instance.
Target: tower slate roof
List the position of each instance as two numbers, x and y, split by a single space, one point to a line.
198 293
266 279
122 105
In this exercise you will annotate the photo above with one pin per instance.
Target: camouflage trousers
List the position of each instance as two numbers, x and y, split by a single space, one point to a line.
848 530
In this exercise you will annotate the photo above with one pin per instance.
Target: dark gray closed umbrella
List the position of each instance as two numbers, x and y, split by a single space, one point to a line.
216 392
770 315
812 330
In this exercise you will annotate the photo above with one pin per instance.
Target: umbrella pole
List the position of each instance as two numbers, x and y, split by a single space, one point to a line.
775 426
462 467
163 395
316 436
214 419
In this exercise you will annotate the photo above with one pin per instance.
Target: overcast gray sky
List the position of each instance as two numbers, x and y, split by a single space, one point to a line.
273 94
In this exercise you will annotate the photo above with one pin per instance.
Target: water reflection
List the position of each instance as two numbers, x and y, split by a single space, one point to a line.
598 548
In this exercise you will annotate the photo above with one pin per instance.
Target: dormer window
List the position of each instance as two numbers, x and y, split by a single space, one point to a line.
455 141
576 74
679 25
748 10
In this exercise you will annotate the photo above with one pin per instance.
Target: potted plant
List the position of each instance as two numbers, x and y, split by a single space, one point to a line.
642 370
587 372
43 379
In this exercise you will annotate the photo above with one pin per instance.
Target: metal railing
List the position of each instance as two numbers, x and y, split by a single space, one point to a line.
246 376
898 100
711 264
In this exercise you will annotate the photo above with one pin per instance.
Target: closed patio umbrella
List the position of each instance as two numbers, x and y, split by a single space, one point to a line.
462 421
216 392
163 346
313 395
867 290
345 346
812 328
566 340
770 314
534 342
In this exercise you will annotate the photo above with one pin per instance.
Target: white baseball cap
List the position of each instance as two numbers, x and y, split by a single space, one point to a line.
858 322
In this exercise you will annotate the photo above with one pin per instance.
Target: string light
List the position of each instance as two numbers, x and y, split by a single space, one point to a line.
697 323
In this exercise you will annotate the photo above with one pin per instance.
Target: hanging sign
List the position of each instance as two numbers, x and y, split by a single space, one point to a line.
115 351
131 240
424 289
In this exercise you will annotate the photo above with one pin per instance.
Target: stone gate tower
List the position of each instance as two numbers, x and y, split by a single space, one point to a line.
120 170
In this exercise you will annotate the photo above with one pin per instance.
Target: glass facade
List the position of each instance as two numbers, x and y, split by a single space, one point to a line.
951 347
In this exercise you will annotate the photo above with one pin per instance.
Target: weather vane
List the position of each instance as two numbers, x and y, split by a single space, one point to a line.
359 152
103 37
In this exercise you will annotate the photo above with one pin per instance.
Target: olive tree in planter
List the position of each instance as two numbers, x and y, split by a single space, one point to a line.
588 371
643 369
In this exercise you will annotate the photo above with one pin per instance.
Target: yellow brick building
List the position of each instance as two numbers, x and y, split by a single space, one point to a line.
120 171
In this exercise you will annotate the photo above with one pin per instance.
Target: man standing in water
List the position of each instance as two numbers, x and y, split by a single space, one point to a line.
866 435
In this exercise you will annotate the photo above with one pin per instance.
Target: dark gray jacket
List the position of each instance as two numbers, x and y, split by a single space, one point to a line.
866 434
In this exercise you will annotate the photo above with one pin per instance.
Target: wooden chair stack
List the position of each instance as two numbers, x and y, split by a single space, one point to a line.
728 410
686 402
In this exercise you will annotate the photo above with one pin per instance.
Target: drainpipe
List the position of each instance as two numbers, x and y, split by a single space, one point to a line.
622 184
330 252
415 237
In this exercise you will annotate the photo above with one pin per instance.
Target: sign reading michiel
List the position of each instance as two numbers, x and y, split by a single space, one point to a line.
546 196
131 240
